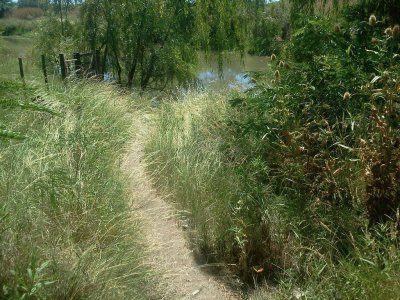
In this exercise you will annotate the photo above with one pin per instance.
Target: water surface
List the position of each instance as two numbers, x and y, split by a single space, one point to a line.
235 71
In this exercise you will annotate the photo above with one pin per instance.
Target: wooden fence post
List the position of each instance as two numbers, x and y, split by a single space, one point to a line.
97 62
77 63
62 66
46 81
21 70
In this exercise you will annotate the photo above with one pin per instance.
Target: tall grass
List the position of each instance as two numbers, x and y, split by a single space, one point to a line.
187 154
189 165
236 217
66 231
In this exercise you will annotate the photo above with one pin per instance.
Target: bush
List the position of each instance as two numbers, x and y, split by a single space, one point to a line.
50 41
266 37
316 31
10 27
9 30
325 132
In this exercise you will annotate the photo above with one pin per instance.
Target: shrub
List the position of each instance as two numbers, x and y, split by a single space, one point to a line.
324 134
49 40
9 30
11 26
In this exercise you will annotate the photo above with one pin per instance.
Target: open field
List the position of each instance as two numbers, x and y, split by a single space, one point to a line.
11 48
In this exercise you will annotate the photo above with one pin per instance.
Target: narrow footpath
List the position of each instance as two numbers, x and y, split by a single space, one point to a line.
168 254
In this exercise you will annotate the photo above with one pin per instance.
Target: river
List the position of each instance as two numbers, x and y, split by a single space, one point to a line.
234 74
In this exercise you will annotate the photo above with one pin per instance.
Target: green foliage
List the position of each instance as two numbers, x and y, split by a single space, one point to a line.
33 3
155 42
389 9
50 41
316 30
308 164
9 30
19 21
153 47
326 132
5 5
269 26
11 26
31 284
14 104
265 35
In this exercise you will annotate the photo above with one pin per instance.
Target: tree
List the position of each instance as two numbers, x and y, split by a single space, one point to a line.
5 5
155 41
33 3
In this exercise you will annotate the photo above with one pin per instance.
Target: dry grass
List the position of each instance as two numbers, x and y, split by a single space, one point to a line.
66 228
26 13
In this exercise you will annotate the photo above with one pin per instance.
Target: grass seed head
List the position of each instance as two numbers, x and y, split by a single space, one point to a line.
346 96
277 74
396 31
385 75
372 20
337 28
374 41
389 31
273 57
281 64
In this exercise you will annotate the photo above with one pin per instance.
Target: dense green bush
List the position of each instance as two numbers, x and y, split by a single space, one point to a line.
325 134
269 26
317 108
266 36
50 41
5 6
9 30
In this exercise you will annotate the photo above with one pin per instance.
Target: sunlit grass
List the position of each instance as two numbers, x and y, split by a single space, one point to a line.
13 47
66 230
260 236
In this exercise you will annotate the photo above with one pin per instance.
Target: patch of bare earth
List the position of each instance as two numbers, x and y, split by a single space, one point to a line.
169 252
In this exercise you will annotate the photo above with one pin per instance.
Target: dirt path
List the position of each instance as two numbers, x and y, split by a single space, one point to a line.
169 252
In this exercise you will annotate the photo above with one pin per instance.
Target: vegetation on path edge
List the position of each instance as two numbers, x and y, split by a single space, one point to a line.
66 229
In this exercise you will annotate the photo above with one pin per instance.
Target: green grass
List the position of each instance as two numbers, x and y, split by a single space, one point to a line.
13 26
190 166
12 47
189 162
66 230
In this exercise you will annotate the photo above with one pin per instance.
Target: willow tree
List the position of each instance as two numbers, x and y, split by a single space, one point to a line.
156 41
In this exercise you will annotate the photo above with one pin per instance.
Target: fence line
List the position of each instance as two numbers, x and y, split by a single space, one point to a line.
80 65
